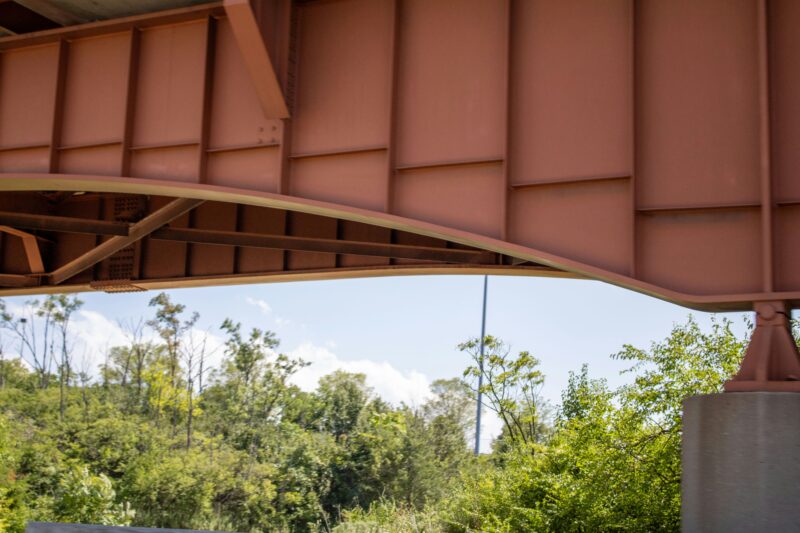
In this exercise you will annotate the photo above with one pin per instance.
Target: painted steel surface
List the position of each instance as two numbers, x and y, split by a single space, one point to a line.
644 143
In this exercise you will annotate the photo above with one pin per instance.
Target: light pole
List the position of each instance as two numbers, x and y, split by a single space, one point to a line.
480 370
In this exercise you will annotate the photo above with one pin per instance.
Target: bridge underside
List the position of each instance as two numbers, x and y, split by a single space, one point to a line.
644 143
67 241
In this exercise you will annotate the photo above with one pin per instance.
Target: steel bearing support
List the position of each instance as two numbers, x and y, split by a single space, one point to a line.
772 361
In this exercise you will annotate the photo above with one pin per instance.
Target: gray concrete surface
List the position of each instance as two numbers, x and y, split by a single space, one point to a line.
741 463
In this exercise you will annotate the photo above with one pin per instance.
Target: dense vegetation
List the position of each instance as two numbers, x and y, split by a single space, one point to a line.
156 438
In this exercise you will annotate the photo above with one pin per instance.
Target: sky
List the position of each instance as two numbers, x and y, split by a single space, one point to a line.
403 332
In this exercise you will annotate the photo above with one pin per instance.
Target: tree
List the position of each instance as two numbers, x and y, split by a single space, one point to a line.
3 366
171 328
342 397
172 490
83 497
128 367
13 508
613 461
194 356
165 393
38 345
249 391
53 316
61 308
511 387
450 419
13 373
451 398
267 456
129 363
407 455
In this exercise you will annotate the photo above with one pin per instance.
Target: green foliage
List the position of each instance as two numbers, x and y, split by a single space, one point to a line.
12 498
147 445
613 460
511 387
256 455
83 497
175 490
14 375
342 398
389 516
247 396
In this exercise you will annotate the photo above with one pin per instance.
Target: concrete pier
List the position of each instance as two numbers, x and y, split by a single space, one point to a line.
741 463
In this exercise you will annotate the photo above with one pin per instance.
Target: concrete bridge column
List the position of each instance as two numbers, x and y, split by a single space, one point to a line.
741 463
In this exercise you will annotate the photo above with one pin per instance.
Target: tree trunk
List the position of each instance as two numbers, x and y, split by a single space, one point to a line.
61 395
189 419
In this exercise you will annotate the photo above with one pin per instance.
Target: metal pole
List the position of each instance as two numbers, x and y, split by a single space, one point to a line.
480 368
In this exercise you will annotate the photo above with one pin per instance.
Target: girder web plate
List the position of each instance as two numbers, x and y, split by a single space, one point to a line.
643 143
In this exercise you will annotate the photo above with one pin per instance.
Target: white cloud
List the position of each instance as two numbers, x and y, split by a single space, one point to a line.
261 304
394 386
388 382
266 309
491 427
93 335
17 309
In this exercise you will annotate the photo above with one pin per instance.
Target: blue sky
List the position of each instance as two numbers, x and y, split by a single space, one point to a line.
403 331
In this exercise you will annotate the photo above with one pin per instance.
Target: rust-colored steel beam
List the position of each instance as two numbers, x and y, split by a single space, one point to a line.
18 281
254 51
63 224
329 246
137 231
253 240
31 247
